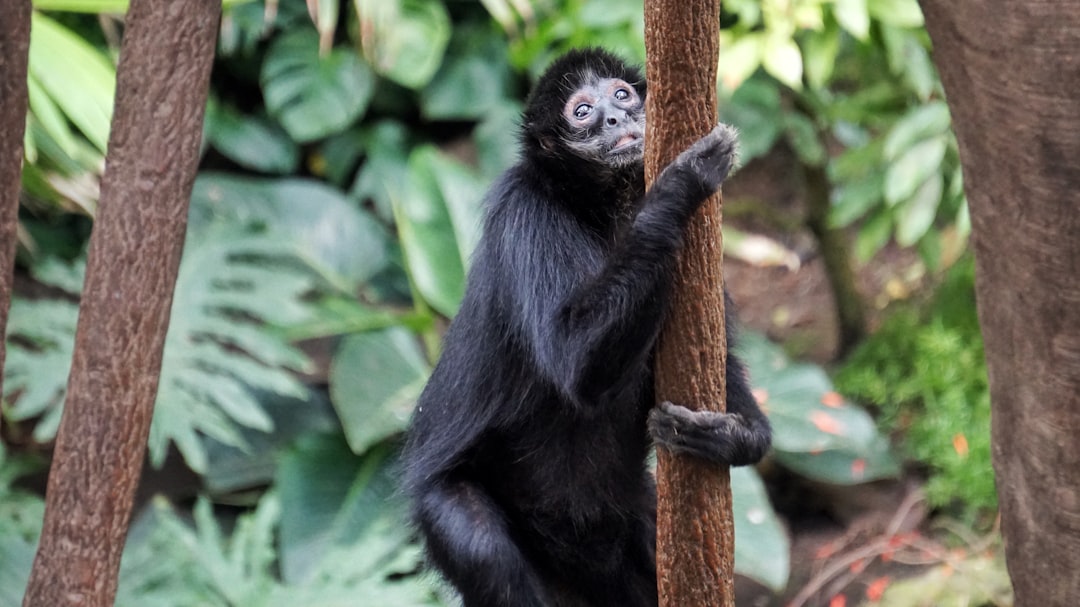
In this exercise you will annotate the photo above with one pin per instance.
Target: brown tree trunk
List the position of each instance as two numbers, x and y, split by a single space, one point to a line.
1012 74
135 248
14 51
695 531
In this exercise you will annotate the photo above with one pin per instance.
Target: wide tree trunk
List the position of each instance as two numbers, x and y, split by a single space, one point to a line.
135 248
14 52
695 529
1011 72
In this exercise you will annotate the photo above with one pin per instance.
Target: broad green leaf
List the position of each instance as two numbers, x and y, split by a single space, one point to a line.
230 469
118 7
820 50
803 136
762 549
899 13
916 215
496 139
740 57
375 380
755 110
781 58
426 230
386 168
404 40
314 96
855 198
809 417
462 193
61 62
913 168
873 235
344 539
471 83
853 16
919 123
49 116
40 342
251 141
346 245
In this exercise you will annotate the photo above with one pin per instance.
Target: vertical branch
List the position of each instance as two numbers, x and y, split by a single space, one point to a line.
14 52
695 530
135 248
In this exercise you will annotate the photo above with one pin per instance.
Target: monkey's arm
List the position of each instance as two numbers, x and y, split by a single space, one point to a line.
593 329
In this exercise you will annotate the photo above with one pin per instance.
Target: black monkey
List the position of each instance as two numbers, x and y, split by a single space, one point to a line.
525 458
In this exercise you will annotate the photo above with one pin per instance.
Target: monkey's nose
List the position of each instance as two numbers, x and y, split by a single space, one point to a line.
612 121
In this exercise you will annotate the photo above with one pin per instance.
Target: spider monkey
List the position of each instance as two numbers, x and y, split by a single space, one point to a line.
526 456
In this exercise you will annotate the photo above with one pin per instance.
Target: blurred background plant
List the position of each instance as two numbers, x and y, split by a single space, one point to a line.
347 149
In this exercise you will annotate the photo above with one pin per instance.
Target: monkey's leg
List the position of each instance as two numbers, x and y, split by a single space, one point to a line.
739 437
469 542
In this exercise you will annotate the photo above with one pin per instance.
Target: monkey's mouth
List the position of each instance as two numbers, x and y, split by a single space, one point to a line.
626 142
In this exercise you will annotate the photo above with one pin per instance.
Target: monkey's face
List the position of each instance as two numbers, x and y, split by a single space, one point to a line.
605 122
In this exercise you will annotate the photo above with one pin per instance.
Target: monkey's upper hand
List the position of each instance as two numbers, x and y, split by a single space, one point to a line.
710 158
724 438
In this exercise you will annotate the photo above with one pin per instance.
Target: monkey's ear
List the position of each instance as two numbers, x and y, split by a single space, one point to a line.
547 144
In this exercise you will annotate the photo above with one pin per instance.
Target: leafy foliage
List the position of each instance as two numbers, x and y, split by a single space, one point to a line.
337 547
816 431
927 375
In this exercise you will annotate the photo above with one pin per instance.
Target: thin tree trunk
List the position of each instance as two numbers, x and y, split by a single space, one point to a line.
135 248
695 530
1012 74
14 51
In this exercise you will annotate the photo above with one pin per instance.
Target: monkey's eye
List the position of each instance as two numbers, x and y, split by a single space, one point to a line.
622 94
582 110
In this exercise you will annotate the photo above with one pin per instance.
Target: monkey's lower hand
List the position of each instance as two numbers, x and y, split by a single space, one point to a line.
724 438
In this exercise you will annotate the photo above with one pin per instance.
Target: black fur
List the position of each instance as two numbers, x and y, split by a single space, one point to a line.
525 460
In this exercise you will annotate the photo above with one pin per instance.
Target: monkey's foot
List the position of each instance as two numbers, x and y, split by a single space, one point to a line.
724 438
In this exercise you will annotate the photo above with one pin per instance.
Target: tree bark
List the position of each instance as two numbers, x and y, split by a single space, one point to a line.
695 530
1012 72
135 248
14 53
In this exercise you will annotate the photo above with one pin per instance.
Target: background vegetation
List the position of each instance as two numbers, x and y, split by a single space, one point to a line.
346 155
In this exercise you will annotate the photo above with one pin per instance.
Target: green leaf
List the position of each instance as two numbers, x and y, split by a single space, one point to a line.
913 168
427 234
915 216
853 16
809 417
343 529
343 243
404 40
251 141
740 57
314 96
40 342
475 79
855 198
803 136
873 235
375 380
921 122
820 50
386 169
782 59
118 7
61 62
761 546
496 139
899 13
755 110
